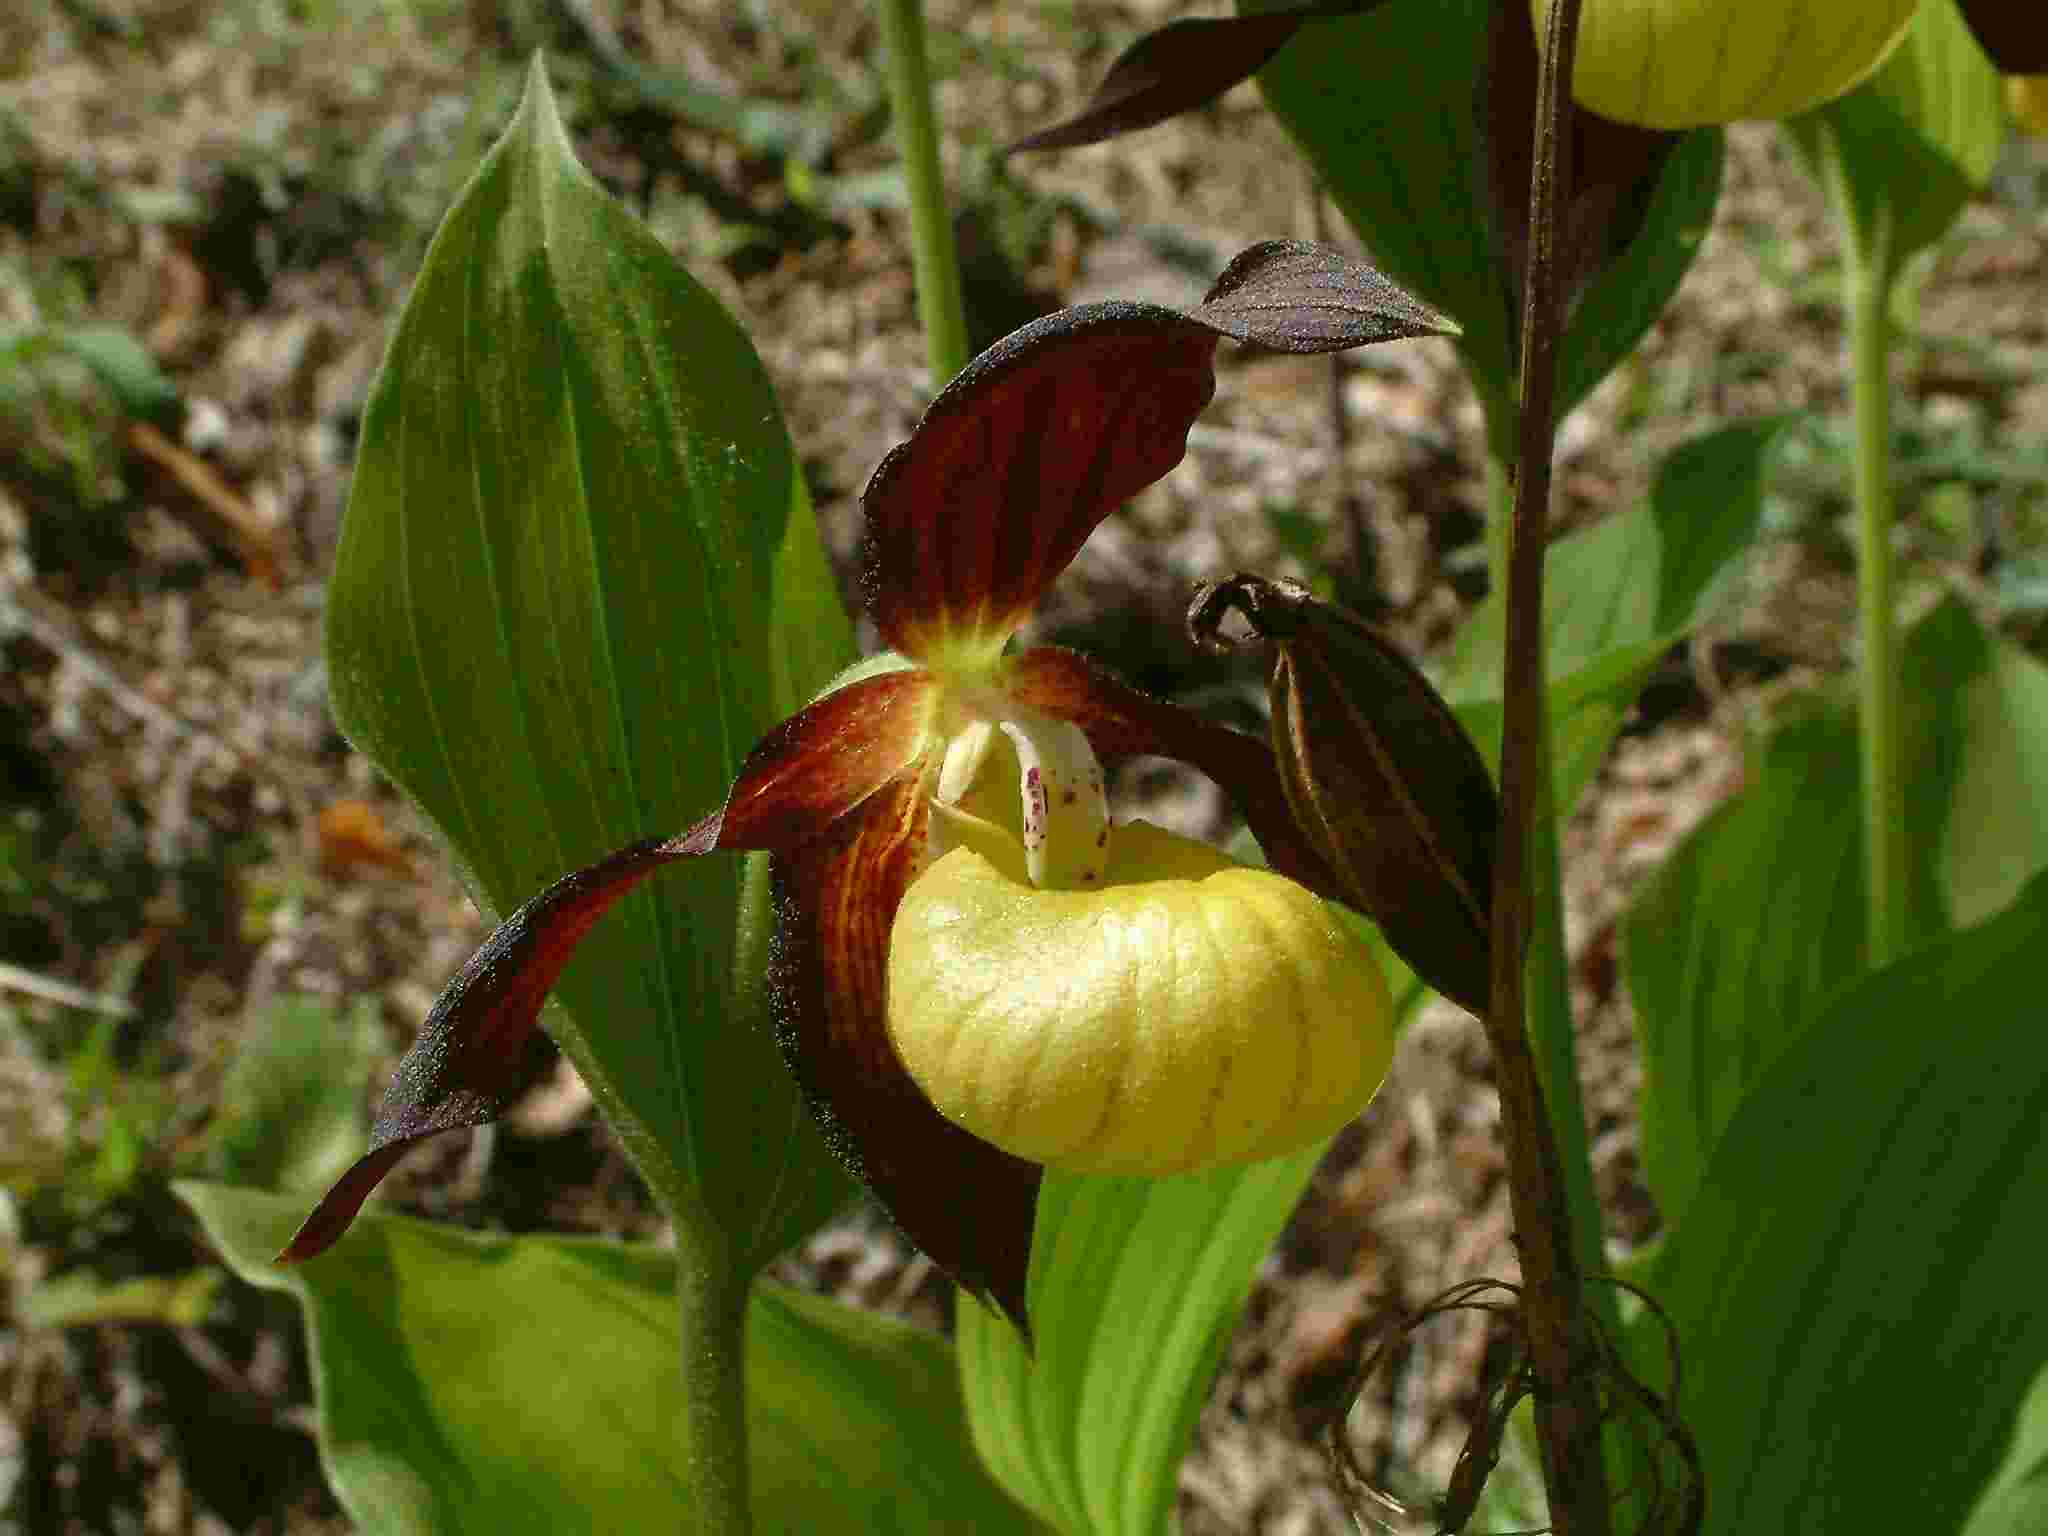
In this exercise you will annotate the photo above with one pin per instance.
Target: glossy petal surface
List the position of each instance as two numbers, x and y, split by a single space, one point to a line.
1037 441
1194 1014
826 759
966 1204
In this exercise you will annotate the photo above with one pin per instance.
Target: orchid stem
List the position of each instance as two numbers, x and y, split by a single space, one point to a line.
712 1315
1867 267
1551 1031
1563 1346
933 256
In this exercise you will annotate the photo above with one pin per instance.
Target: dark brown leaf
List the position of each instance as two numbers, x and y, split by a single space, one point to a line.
1294 296
966 1204
1184 65
1382 778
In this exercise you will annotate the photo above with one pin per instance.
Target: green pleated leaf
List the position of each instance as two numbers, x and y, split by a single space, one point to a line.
1752 926
473 1384
552 623
1388 108
1916 141
1135 1287
1857 1282
1620 594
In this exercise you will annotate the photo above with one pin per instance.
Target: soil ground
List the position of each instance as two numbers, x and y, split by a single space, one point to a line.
247 186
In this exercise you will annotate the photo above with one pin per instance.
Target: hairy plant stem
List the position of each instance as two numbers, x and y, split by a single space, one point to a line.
937 263
711 1292
1562 1343
1547 981
1867 279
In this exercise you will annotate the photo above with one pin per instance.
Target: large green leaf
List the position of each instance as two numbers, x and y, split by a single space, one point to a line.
473 1384
1386 105
1618 595
1752 926
1857 1282
1135 1286
550 622
1914 143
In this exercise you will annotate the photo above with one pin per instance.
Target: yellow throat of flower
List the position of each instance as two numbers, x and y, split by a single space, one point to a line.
1117 999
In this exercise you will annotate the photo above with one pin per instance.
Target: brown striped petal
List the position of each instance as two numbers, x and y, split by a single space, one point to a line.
966 1204
1037 441
1058 424
465 1068
827 758
1120 721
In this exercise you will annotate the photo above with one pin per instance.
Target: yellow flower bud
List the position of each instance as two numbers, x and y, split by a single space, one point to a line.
1686 63
1190 1013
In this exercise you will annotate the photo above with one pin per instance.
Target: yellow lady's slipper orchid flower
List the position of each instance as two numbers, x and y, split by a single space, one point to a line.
1686 63
974 971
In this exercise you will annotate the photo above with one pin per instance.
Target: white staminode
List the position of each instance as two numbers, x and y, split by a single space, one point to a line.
1066 807
1064 820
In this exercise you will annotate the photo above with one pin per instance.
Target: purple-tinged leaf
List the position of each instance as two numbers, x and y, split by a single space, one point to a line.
1184 65
966 1204
1296 296
465 1067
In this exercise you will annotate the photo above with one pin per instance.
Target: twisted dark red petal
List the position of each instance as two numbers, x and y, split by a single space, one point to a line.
1018 459
464 1070
966 1204
1119 721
